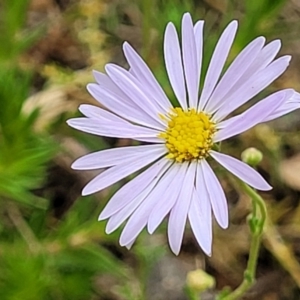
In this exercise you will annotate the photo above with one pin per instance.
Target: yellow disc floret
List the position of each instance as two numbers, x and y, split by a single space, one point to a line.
188 135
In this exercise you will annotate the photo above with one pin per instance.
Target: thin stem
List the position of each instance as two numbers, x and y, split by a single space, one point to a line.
23 228
256 222
257 199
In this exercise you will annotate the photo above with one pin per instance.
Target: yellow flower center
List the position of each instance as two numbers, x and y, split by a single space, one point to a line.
188 135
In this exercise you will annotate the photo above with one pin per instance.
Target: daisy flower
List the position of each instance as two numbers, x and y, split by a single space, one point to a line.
176 178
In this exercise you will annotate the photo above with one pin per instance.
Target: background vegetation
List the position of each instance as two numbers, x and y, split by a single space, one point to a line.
51 245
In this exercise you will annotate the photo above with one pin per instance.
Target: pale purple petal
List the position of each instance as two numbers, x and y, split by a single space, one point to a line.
241 170
252 87
283 110
225 124
106 85
129 245
264 58
173 63
112 157
137 222
144 74
234 72
95 112
106 119
162 208
133 188
118 105
114 129
135 91
204 206
267 54
105 82
217 62
119 217
180 210
216 194
119 172
289 106
251 117
198 32
190 60
200 219
139 218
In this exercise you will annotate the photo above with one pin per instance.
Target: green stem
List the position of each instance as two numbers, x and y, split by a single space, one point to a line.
256 223
23 228
257 201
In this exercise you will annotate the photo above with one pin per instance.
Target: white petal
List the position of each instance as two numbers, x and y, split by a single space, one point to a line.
253 116
114 129
289 106
144 74
217 62
119 217
198 32
252 87
134 187
126 109
264 58
162 208
129 245
119 172
241 170
180 210
234 72
267 54
134 90
105 82
139 218
200 218
190 60
112 157
173 63
95 112
216 194
283 110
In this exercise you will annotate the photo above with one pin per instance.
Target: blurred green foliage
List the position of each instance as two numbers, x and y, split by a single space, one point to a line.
36 261
24 154
14 38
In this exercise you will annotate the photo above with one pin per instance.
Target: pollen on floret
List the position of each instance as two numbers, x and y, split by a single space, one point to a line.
188 135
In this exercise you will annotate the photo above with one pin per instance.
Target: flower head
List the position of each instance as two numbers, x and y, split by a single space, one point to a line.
178 180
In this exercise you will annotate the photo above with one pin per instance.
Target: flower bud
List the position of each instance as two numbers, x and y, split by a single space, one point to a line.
199 281
252 156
